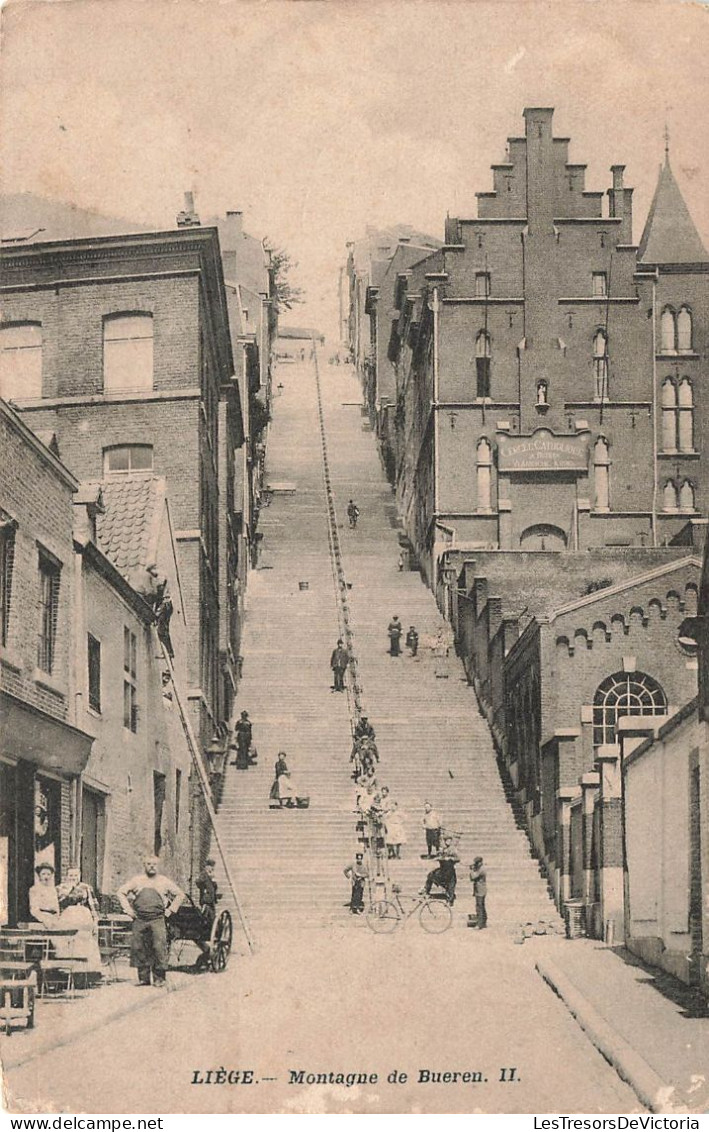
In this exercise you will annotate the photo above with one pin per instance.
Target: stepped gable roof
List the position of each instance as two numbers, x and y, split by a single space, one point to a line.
127 531
670 235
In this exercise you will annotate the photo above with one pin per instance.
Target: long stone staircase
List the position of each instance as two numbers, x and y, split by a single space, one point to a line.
434 744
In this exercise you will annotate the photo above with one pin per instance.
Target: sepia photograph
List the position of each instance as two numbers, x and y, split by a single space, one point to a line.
354 573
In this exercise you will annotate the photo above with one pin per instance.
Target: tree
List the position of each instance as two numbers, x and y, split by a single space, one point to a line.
286 294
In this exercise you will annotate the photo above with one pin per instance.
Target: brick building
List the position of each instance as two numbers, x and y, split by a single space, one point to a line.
135 787
551 477
120 346
551 374
94 762
43 745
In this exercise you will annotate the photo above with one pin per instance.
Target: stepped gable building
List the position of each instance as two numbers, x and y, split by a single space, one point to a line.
551 374
120 346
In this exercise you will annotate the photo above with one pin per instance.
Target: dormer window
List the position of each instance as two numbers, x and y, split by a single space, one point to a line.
126 459
127 352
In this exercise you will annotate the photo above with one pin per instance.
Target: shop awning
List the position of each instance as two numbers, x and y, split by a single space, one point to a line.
30 734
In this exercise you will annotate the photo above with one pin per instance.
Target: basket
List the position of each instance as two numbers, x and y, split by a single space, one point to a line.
575 919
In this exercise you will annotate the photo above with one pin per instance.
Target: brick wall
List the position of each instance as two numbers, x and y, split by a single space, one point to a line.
122 762
39 500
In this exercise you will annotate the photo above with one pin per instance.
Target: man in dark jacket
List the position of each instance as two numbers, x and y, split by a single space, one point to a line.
445 875
357 874
338 663
478 877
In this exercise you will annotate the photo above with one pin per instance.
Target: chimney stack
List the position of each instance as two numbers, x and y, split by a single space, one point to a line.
232 230
620 204
188 218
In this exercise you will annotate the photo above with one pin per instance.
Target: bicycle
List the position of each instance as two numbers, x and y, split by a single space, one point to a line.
435 914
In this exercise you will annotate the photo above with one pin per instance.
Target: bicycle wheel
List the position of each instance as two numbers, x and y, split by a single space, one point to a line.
382 917
436 916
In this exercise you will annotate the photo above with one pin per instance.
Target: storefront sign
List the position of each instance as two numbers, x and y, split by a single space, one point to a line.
542 452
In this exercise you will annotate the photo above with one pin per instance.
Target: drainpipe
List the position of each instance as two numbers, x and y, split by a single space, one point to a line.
80 654
654 412
435 307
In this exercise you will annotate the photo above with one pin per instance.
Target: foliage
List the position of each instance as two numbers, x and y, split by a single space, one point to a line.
286 293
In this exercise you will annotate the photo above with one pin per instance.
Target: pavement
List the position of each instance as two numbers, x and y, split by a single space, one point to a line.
62 1021
652 1028
462 1000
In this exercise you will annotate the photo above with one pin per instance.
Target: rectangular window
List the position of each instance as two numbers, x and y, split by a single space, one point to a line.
94 662
49 572
7 555
130 680
128 352
600 283
483 376
482 284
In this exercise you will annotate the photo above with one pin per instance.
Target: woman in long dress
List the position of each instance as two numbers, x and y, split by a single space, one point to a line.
395 832
44 902
78 911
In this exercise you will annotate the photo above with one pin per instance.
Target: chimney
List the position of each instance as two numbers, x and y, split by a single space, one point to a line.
620 204
232 230
188 218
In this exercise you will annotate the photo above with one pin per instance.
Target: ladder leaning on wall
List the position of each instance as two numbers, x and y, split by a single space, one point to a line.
207 794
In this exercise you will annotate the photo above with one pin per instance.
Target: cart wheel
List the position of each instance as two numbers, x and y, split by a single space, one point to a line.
220 941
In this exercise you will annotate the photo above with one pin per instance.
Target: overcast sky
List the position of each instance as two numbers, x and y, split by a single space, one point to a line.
317 118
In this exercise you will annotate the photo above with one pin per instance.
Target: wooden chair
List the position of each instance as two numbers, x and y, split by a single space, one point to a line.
114 937
18 988
58 976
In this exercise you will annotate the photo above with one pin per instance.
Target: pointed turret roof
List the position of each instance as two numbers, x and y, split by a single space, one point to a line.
670 235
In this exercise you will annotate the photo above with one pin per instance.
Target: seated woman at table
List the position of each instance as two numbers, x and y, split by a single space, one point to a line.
44 902
78 911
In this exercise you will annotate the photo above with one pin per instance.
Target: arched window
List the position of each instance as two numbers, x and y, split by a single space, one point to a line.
670 500
542 536
601 471
600 365
686 416
624 693
123 459
484 476
668 340
669 415
684 330
127 352
21 360
686 496
482 363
